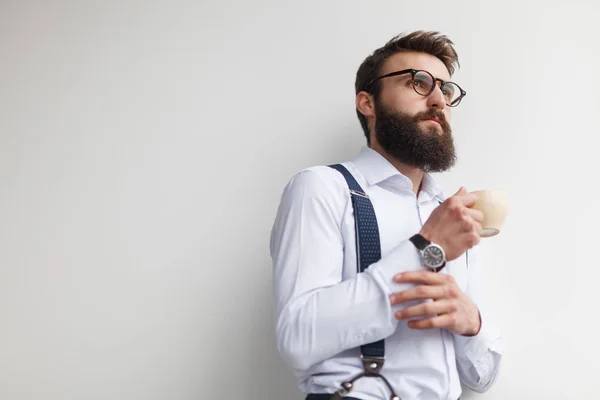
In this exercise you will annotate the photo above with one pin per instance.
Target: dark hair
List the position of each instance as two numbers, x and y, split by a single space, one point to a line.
433 43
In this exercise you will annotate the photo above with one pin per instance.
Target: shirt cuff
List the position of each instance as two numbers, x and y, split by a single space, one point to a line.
476 347
404 257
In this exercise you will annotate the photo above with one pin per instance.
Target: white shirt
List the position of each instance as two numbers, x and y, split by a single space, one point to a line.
325 311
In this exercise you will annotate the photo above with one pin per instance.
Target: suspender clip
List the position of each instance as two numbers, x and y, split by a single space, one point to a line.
372 365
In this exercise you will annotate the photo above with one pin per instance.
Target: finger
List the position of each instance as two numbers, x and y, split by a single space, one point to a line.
473 226
478 228
419 293
427 309
475 214
461 191
422 277
441 321
467 199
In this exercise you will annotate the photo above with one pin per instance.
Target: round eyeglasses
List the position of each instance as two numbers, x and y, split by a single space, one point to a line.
424 83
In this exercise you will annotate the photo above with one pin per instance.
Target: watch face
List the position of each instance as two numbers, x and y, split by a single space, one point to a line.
433 256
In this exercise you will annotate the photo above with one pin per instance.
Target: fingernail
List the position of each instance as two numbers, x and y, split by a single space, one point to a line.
397 277
398 314
392 298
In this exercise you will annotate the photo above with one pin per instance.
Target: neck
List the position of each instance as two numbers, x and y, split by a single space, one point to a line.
413 173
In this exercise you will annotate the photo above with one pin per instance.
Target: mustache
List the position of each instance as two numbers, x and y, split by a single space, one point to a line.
431 113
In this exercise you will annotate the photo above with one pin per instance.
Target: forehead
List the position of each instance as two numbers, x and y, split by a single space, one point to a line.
416 60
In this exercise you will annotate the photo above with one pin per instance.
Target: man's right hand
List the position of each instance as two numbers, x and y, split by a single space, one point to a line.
454 225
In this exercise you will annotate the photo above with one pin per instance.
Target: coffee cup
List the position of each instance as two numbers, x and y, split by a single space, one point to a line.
494 206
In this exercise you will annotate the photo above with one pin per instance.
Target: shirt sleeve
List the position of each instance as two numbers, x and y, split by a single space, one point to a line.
478 357
317 313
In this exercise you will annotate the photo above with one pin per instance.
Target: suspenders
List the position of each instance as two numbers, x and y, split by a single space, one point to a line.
368 251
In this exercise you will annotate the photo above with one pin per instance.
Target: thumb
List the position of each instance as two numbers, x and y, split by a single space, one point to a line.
461 191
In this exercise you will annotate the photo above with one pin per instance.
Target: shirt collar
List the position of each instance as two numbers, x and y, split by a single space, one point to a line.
376 169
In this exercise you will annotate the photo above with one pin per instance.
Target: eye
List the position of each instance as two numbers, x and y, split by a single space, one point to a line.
418 83
448 91
451 92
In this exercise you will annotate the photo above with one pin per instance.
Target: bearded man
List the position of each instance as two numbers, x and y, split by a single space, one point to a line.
374 269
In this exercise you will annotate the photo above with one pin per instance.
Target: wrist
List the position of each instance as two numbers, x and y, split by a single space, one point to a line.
426 233
475 325
431 236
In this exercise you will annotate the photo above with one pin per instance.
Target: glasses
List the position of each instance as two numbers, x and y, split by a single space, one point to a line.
424 83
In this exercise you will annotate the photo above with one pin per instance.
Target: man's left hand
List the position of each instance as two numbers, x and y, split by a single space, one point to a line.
451 308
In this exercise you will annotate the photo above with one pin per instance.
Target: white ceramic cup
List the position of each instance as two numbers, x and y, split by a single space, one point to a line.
494 206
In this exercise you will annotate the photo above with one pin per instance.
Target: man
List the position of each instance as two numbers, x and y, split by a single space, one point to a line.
412 320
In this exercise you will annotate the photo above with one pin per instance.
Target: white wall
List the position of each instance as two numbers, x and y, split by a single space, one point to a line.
144 147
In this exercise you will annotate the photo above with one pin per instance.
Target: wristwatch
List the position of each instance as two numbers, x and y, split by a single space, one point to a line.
432 255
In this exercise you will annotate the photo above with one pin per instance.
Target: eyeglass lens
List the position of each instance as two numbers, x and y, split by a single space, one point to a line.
423 84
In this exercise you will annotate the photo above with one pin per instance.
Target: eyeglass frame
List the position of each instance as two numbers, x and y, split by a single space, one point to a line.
413 72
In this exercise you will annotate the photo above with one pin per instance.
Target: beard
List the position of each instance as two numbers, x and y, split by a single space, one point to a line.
401 137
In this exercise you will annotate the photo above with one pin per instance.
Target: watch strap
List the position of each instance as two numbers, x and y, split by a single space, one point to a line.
419 241
441 267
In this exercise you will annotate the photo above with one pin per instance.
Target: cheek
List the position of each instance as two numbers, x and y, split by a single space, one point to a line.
403 100
448 115
408 105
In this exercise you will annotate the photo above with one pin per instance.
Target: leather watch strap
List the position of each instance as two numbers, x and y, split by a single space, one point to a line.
419 241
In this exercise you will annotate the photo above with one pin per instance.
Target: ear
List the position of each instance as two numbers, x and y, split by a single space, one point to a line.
365 104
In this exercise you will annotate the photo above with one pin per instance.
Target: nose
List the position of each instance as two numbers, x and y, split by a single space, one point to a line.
436 98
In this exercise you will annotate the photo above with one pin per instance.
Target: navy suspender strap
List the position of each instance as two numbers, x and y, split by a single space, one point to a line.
368 247
368 251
